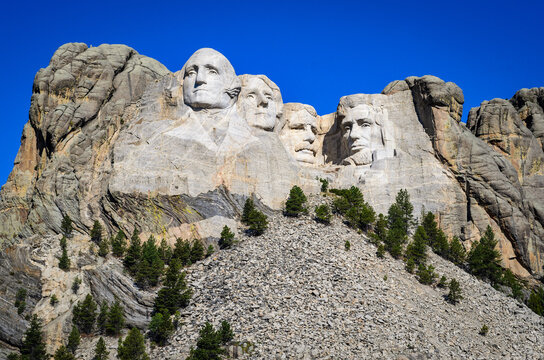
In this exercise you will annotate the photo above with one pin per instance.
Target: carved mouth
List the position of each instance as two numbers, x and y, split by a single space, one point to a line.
306 152
357 148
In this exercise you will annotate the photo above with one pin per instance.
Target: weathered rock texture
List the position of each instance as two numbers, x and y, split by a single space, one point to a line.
114 136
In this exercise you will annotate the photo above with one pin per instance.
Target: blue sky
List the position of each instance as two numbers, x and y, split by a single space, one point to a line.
315 51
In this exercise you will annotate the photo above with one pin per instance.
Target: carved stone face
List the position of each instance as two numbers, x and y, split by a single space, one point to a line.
208 76
299 134
361 134
257 103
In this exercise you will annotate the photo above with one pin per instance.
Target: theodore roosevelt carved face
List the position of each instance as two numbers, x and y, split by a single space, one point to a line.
362 132
260 101
209 81
299 132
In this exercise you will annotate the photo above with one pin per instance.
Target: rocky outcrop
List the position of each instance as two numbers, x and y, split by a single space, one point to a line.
485 166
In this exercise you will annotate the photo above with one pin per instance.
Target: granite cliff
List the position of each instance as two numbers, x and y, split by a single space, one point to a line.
116 137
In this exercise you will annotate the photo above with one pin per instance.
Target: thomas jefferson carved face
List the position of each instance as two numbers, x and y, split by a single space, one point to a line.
298 134
209 81
258 103
362 133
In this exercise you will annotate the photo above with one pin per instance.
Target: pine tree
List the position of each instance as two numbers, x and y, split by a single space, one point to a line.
161 327
227 238
536 301
197 251
441 246
323 214
103 248
208 345
96 232
133 347
454 296
294 205
102 318
380 230
76 284
66 226
324 185
456 252
134 253
151 266
118 244
165 252
426 274
258 222
396 234
174 294
33 346
20 300
483 259
84 315
249 207
73 340
406 209
64 260
417 249
182 252
63 353
116 319
226 332
100 351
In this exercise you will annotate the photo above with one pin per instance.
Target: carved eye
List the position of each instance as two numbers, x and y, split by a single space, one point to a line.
190 72
213 71
347 126
250 96
365 125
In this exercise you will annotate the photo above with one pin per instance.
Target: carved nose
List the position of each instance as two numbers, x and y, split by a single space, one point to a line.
263 101
309 135
200 78
355 132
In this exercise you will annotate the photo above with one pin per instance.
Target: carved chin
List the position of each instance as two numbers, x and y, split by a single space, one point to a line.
362 157
305 156
262 121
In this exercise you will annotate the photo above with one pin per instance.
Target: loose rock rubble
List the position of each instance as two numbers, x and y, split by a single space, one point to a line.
295 293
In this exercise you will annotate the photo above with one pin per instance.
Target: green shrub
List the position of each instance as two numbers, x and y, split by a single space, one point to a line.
84 315
426 274
64 260
63 353
294 205
115 319
323 214
249 207
66 226
33 346
443 282
536 301
96 232
227 238
133 347
76 284
174 294
258 223
324 185
454 296
133 254
103 248
73 340
118 244
53 300
161 327
483 259
410 265
417 249
102 318
20 300
380 252
457 252
351 204
510 280
197 251
100 351
210 342
484 330
380 231
347 245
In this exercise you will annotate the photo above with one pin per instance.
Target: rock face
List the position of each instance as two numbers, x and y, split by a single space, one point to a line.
116 137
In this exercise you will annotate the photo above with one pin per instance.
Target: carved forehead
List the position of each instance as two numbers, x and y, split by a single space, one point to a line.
207 56
255 83
362 111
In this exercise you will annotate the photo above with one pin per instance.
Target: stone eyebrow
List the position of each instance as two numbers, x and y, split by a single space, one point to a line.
209 66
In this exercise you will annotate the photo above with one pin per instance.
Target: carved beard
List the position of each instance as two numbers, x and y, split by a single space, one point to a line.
362 157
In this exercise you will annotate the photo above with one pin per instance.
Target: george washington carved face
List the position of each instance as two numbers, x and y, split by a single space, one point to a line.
209 81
